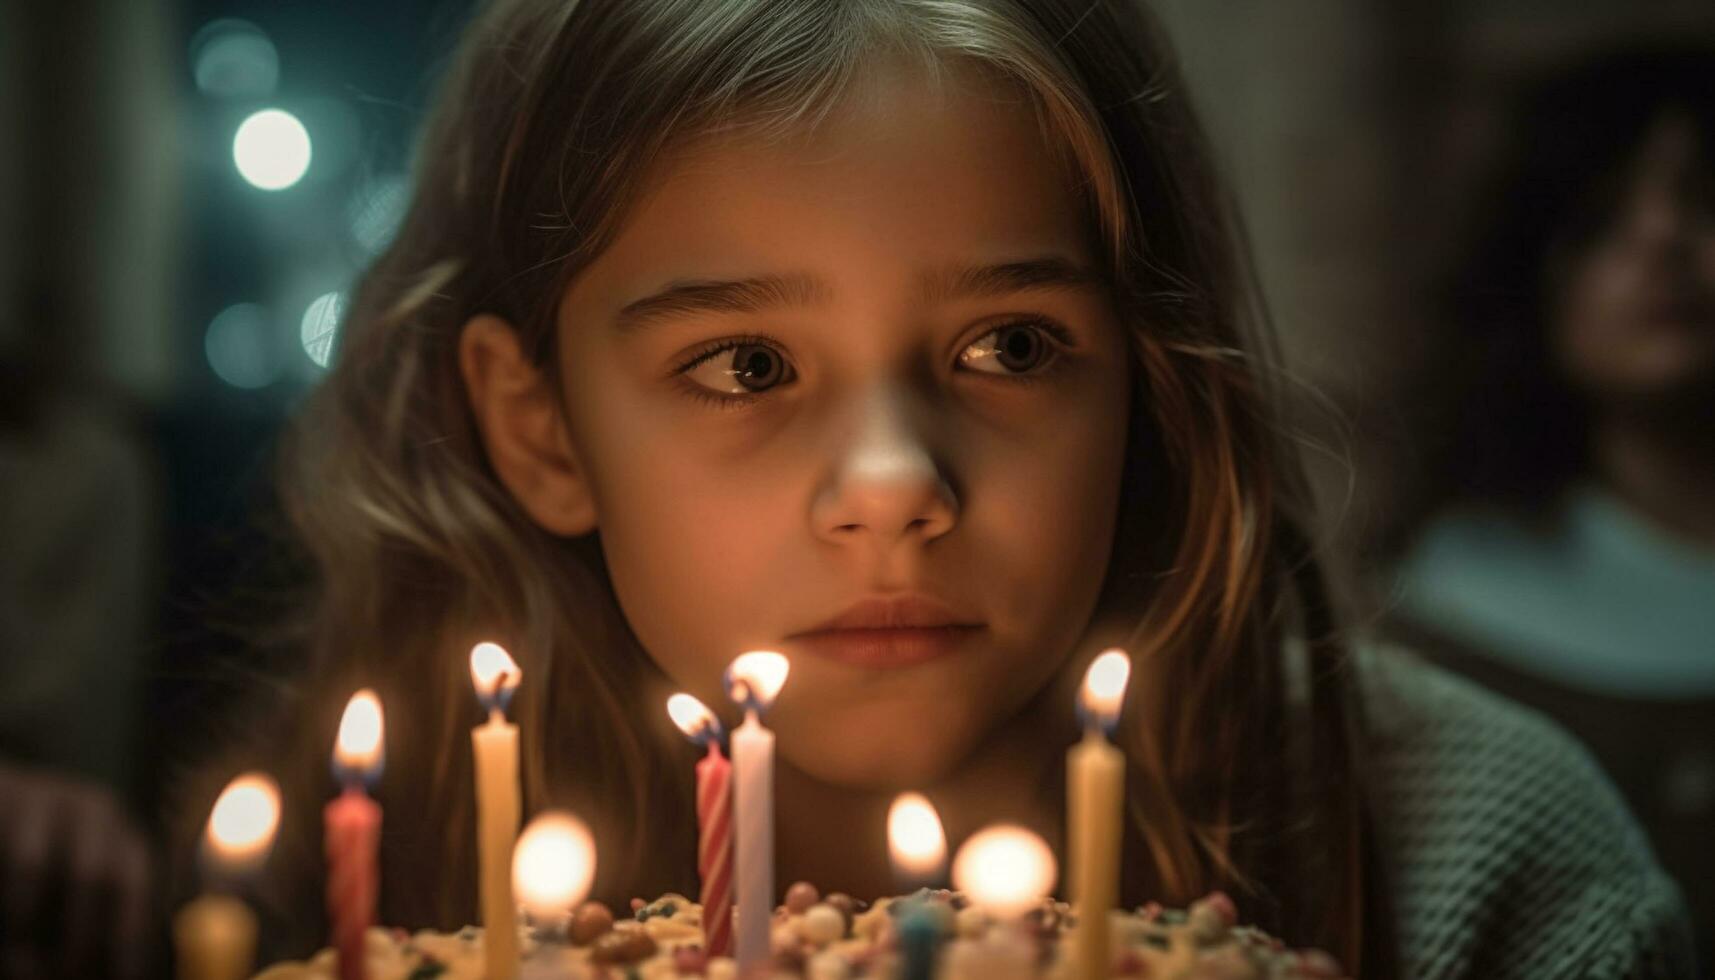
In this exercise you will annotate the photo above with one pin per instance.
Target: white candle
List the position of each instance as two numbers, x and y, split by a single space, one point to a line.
215 935
1095 807
753 680
495 747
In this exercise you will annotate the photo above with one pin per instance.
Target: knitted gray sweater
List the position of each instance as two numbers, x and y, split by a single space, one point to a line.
1510 853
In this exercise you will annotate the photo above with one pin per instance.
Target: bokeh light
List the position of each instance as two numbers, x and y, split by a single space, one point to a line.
320 327
234 59
240 347
553 865
376 210
242 825
272 149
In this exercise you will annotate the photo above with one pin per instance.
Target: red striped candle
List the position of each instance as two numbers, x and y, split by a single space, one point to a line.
714 849
714 820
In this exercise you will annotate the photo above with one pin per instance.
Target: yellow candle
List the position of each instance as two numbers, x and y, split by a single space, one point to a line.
1095 806
214 936
495 746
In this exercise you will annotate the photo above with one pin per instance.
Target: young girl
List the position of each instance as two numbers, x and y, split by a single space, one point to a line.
909 338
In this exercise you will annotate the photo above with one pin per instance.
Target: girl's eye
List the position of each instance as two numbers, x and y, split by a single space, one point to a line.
739 367
732 372
1015 348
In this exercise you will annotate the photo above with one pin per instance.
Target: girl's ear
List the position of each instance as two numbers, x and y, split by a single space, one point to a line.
523 428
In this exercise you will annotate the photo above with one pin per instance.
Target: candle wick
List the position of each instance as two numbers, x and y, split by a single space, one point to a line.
494 689
495 715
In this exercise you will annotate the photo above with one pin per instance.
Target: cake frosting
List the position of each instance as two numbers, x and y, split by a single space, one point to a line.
837 937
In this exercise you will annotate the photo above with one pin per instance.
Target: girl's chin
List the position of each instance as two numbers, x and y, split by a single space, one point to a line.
886 755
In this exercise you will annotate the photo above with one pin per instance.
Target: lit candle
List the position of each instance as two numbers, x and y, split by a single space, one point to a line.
714 820
495 745
553 866
1006 871
215 935
352 825
917 848
916 844
1095 805
753 680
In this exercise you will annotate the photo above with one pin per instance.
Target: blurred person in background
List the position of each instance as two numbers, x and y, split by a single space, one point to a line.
1569 557
81 265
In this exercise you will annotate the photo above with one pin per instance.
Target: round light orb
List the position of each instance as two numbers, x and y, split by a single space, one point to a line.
320 327
234 59
240 347
377 209
241 827
553 865
272 149
1005 870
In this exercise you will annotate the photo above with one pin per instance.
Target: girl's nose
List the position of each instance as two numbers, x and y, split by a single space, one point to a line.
885 485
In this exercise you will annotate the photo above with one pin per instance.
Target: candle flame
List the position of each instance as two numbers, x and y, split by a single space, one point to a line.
693 718
915 839
495 674
1004 869
1104 688
553 865
242 825
754 679
358 748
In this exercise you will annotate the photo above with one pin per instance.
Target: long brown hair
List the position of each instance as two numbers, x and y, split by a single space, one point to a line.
551 113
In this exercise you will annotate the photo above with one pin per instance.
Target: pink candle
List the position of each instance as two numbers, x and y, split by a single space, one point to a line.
714 849
714 821
352 828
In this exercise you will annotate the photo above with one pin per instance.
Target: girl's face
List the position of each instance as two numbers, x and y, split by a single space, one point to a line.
873 365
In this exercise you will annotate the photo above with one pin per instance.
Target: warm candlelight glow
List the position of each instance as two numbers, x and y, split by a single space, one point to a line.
755 678
553 865
1004 869
693 717
494 673
915 840
359 746
241 827
1104 687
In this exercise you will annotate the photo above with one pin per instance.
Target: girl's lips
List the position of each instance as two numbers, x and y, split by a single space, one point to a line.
886 647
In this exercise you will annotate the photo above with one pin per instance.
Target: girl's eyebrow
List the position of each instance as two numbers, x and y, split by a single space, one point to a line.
685 298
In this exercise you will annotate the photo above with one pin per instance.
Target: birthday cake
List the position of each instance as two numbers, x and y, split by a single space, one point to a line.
837 937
